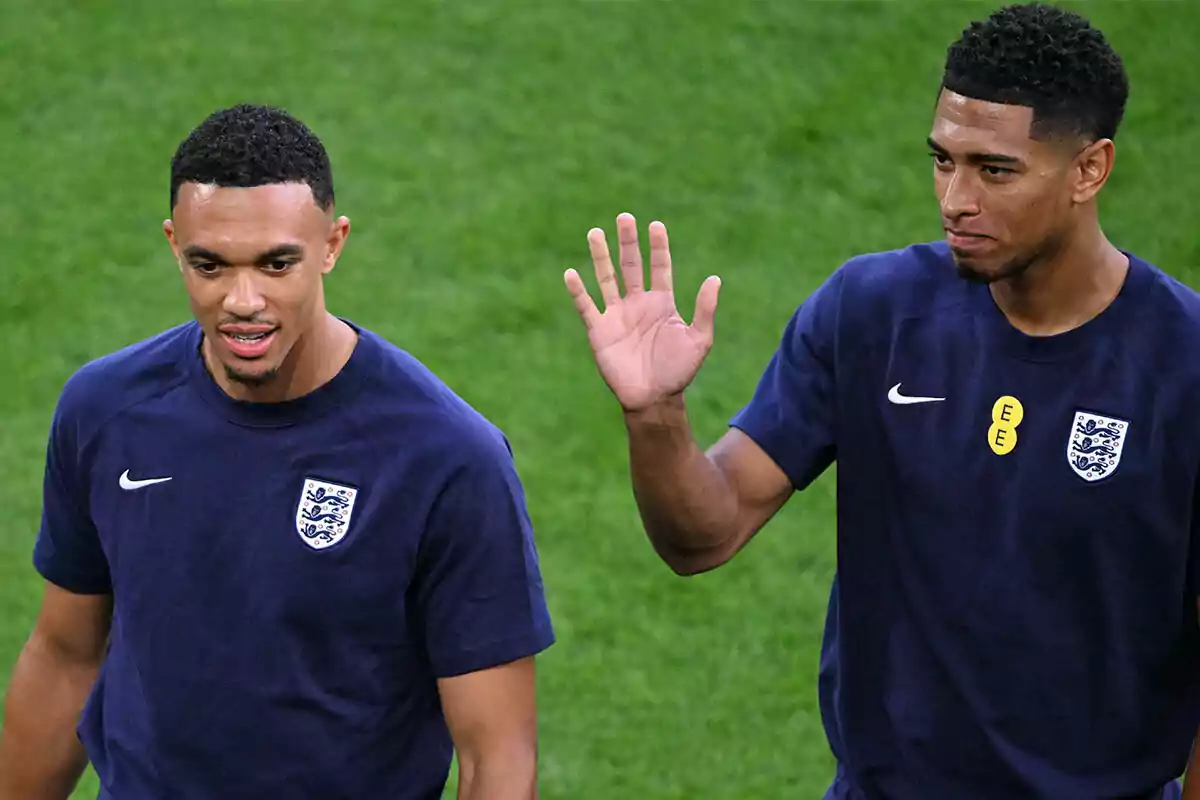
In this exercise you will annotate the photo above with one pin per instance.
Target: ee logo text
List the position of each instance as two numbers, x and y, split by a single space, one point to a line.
1007 413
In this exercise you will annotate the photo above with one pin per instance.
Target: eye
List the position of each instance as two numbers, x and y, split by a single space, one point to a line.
940 159
205 268
995 171
278 265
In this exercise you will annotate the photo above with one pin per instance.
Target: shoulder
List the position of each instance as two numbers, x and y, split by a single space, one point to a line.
1166 323
102 388
907 278
872 291
465 462
1166 295
411 400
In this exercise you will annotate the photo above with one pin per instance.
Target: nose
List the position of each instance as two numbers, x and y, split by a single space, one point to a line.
960 196
244 299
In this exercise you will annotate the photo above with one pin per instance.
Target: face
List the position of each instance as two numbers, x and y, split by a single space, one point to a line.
1007 199
253 262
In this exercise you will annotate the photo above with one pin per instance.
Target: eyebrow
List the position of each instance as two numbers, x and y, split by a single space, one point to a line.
976 158
197 253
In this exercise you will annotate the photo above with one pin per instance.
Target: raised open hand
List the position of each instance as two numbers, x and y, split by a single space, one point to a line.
644 350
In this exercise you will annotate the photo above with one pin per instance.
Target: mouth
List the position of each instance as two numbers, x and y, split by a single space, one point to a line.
967 242
248 342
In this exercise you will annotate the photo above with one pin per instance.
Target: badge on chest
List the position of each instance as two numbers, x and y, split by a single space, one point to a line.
1094 449
1094 442
324 512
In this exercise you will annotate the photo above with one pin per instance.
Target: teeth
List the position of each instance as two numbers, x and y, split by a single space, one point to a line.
252 337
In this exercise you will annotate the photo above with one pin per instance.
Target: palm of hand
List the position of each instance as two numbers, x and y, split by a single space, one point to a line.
643 348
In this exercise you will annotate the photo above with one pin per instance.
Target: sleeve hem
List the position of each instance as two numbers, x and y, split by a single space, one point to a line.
494 654
749 426
73 582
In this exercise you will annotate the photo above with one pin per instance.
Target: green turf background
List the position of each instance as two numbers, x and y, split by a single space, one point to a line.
474 144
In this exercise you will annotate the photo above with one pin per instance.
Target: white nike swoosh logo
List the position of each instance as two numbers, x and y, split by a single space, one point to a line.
127 484
904 400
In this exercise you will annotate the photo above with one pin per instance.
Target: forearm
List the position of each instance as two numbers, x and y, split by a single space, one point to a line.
40 755
498 778
688 507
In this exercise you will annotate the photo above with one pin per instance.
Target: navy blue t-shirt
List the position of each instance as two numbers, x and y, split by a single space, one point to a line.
289 579
1014 611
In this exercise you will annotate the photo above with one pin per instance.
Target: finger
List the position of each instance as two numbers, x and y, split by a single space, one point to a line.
630 253
704 318
660 258
604 268
583 301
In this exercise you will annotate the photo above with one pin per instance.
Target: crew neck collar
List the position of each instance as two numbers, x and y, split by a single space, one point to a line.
321 400
1138 278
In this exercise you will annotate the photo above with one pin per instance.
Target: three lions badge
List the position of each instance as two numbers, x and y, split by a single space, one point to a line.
323 516
1094 450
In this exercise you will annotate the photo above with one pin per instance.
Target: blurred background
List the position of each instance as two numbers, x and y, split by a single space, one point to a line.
474 144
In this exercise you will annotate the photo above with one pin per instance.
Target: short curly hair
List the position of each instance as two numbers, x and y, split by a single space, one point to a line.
1046 58
253 145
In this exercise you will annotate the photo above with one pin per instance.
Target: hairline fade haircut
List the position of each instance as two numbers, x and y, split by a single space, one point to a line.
249 145
1046 58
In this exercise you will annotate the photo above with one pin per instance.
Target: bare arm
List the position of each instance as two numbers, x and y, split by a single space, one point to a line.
492 717
699 509
40 754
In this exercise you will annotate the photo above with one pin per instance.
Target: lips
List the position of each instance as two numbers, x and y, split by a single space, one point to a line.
967 241
247 341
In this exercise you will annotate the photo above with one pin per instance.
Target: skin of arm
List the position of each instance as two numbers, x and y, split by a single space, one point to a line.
492 717
699 508
41 757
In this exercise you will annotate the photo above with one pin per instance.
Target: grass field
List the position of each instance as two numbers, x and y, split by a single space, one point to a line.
474 144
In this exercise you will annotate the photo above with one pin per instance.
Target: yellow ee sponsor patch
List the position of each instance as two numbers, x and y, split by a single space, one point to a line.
1007 413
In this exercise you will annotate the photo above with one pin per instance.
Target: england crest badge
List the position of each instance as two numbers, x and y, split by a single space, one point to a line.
323 516
1094 450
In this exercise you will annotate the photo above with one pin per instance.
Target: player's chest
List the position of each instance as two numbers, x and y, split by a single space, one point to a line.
198 510
1017 416
958 418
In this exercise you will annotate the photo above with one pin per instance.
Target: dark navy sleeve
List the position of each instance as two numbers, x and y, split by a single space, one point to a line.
791 414
479 587
67 551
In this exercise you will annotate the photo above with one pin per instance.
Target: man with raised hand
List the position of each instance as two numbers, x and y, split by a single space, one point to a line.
1013 414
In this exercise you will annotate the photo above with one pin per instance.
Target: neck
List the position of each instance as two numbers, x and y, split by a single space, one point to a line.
1065 288
313 361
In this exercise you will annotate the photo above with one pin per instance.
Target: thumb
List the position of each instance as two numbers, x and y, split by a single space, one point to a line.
706 306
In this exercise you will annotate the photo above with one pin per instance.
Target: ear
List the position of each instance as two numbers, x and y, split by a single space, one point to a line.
339 231
169 232
1092 167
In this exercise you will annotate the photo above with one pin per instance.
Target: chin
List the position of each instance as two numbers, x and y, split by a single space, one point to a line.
261 376
974 272
979 270
973 269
